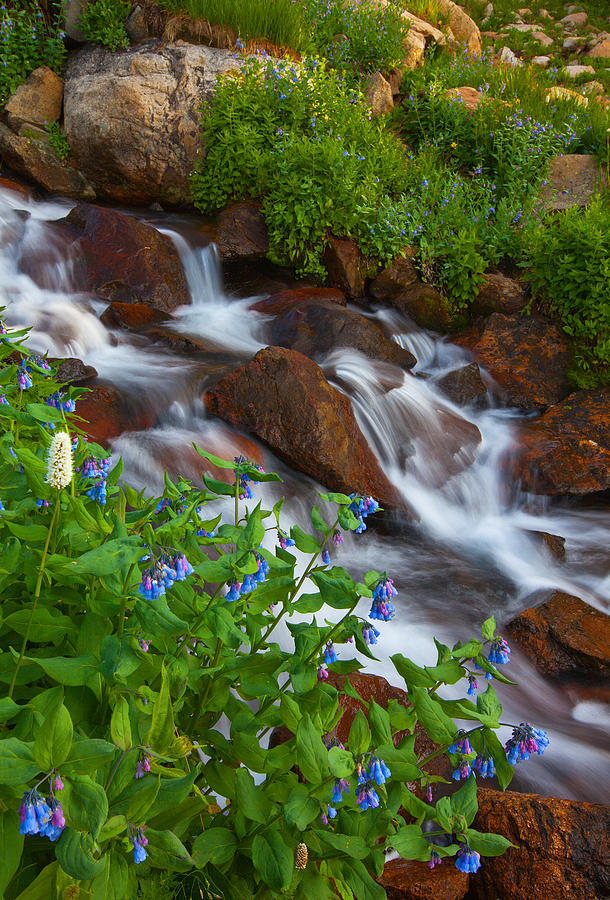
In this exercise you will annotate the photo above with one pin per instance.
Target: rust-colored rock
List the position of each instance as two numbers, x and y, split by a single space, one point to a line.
464 386
125 260
315 327
74 371
108 413
395 280
527 357
284 399
131 315
345 266
469 96
280 302
554 544
564 637
405 879
37 101
499 294
10 185
567 450
562 848
400 286
241 232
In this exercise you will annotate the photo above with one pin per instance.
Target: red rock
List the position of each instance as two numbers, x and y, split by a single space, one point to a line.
527 357
315 327
564 637
401 287
345 266
562 848
283 300
464 385
499 294
109 413
241 232
405 879
553 543
10 185
397 278
469 96
567 450
125 260
284 399
130 315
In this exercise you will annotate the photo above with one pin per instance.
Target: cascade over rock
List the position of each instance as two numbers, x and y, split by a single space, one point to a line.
284 399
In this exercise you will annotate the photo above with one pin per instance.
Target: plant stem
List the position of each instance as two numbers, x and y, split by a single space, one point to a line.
36 594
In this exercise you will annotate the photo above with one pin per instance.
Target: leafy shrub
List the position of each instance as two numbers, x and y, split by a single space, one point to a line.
103 22
570 273
141 685
26 42
58 140
297 135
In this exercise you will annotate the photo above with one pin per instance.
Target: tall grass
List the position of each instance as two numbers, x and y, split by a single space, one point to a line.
278 21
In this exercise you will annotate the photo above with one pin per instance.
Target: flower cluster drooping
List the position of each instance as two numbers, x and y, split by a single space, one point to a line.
245 491
142 765
97 470
160 577
42 816
382 608
525 740
499 652
59 465
484 766
467 860
57 401
330 655
283 540
139 841
361 508
435 859
369 634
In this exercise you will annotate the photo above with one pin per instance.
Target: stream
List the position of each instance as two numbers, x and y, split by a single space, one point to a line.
474 552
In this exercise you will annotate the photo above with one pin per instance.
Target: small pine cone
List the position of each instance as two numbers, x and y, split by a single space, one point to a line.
301 857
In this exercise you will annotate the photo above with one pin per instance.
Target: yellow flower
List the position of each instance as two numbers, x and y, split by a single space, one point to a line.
453 144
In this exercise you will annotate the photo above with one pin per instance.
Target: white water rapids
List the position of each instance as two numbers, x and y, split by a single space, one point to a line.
474 551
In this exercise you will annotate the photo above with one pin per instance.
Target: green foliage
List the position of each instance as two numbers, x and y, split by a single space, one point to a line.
569 258
103 22
299 137
280 21
26 42
58 140
122 661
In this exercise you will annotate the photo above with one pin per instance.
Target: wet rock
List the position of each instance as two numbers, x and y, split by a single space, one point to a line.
9 184
133 117
379 95
469 96
131 315
345 266
567 450
395 280
574 179
564 637
526 356
74 371
499 294
554 544
315 327
562 848
284 399
183 344
282 301
400 286
36 161
109 412
464 386
37 101
125 260
242 233
404 879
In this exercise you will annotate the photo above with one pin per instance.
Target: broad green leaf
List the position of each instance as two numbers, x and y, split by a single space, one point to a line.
17 764
487 844
156 617
400 762
488 629
312 755
11 846
443 813
418 808
402 718
86 805
334 497
486 742
250 798
341 762
484 663
75 671
347 519
74 852
449 672
43 886
359 740
464 802
120 727
318 522
8 709
291 712
313 886
32 534
413 674
161 734
112 827
44 627
306 543
86 756
379 721
437 723
411 843
166 851
215 845
109 557
300 809
348 844
54 739
361 881
468 650
272 859
337 591
216 460
143 799
489 705
111 883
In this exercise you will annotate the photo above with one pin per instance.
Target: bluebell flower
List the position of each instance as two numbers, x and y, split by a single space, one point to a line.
283 539
369 634
378 771
463 770
341 787
139 842
467 860
484 766
525 740
329 654
382 608
462 745
367 797
473 686
361 508
326 557
499 652
233 593
435 860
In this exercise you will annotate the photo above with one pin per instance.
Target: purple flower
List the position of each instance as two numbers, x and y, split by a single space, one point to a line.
462 745
283 539
525 740
341 787
382 608
143 644
362 507
484 766
369 634
467 860
499 651
435 859
58 784
139 843
337 538
326 557
367 797
473 686
463 770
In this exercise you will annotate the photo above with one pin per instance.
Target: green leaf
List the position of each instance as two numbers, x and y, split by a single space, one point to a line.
250 798
11 846
411 843
43 886
449 672
312 755
86 756
360 881
300 809
348 844
488 629
337 591
400 762
112 882
437 723
413 674
109 557
489 705
216 460
359 740
334 497
379 721
54 739
86 804
468 650
8 709
272 859
402 718
32 534
341 762
162 730
218 487
75 671
120 727
487 844
306 543
486 742
464 802
156 617
484 663
17 763
443 814
347 519
166 851
143 799
74 852
215 845
112 827
318 522
45 626
418 808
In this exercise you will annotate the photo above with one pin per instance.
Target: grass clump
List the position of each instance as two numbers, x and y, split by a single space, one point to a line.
280 21
103 22
27 41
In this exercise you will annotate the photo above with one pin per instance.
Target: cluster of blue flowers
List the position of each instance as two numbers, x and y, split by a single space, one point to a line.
42 816
162 575
467 860
382 607
361 508
97 469
139 841
369 634
484 766
377 773
499 652
283 540
245 491
57 401
142 765
525 740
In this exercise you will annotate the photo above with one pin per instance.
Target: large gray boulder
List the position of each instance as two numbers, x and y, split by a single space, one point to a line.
133 117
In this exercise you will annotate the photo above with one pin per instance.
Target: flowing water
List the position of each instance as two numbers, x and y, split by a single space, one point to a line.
474 550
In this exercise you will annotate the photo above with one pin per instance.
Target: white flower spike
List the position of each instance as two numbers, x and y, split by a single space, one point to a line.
59 467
